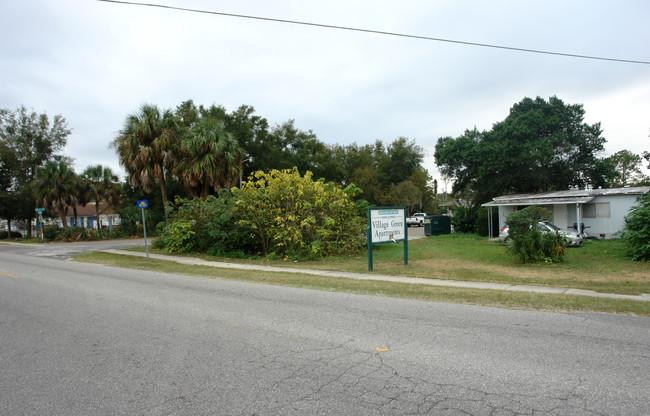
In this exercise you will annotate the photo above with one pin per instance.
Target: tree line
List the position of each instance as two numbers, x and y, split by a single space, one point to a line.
542 145
206 149
196 150
192 151
33 174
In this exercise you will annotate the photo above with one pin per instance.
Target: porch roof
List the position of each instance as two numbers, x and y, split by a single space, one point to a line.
572 196
532 200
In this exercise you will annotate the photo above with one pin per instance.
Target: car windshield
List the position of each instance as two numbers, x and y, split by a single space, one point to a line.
551 226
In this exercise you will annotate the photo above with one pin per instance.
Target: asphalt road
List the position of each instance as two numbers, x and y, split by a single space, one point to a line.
78 339
66 250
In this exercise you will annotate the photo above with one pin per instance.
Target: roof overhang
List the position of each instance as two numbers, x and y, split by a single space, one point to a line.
506 202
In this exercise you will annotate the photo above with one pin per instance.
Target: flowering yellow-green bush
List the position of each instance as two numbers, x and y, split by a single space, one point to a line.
295 216
177 236
280 214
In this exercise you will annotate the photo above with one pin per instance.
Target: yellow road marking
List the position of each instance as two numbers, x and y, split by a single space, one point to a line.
10 275
381 349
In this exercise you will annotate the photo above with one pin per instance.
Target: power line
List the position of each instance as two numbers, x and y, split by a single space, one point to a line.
379 32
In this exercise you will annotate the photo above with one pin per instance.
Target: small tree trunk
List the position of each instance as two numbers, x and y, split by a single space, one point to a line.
163 192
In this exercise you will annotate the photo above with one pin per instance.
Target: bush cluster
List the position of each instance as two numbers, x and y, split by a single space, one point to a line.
528 243
637 229
279 214
464 219
205 225
14 234
72 234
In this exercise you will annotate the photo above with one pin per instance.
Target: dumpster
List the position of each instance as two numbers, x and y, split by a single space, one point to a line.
437 225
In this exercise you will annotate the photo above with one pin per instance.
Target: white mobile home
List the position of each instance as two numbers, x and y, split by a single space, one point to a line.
602 211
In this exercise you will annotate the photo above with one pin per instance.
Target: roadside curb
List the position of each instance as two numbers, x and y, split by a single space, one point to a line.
386 278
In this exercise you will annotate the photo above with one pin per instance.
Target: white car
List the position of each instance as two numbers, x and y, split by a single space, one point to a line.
547 227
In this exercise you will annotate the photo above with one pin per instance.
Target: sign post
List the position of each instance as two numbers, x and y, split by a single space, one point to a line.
142 204
387 225
40 221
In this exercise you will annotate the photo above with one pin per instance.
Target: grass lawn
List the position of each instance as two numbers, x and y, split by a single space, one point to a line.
597 265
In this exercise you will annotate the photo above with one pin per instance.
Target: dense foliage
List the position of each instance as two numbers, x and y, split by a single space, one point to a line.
527 242
74 234
280 214
145 147
209 148
464 219
483 225
626 169
540 146
27 141
637 229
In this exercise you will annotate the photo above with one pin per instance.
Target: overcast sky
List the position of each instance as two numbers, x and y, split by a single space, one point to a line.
96 62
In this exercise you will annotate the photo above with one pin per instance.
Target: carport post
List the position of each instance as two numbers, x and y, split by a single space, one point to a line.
490 234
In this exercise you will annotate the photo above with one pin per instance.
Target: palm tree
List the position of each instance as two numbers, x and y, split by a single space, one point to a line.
102 186
210 158
55 184
145 147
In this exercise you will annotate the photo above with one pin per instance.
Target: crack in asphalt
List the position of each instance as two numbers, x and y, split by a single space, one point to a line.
367 380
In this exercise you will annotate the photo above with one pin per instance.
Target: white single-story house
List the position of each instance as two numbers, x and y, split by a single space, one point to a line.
602 211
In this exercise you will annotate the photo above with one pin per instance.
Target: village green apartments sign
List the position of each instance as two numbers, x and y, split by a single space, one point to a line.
387 225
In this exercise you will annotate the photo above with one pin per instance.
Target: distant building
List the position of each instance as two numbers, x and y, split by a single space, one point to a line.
86 217
602 211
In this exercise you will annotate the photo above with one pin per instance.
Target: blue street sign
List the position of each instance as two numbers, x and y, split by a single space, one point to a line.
143 203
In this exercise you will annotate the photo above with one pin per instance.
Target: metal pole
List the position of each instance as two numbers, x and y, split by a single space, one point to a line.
490 223
406 239
144 228
369 241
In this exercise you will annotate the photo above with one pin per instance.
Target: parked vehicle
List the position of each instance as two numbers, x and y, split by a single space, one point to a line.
574 238
416 219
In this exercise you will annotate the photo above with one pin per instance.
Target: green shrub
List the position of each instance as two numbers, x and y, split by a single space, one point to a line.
528 243
50 233
293 216
73 234
637 229
131 220
14 234
205 225
464 219
280 214
482 226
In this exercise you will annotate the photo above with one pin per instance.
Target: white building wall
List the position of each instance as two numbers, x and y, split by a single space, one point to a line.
560 215
619 207
503 214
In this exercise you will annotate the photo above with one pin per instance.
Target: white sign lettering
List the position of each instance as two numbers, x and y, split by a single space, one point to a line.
387 225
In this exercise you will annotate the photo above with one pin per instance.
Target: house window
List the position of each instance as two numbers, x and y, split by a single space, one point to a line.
597 210
602 210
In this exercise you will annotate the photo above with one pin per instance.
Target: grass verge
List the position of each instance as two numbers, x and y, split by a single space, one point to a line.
494 298
600 265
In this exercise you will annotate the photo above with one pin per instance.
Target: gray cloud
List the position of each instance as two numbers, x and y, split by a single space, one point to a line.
95 62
